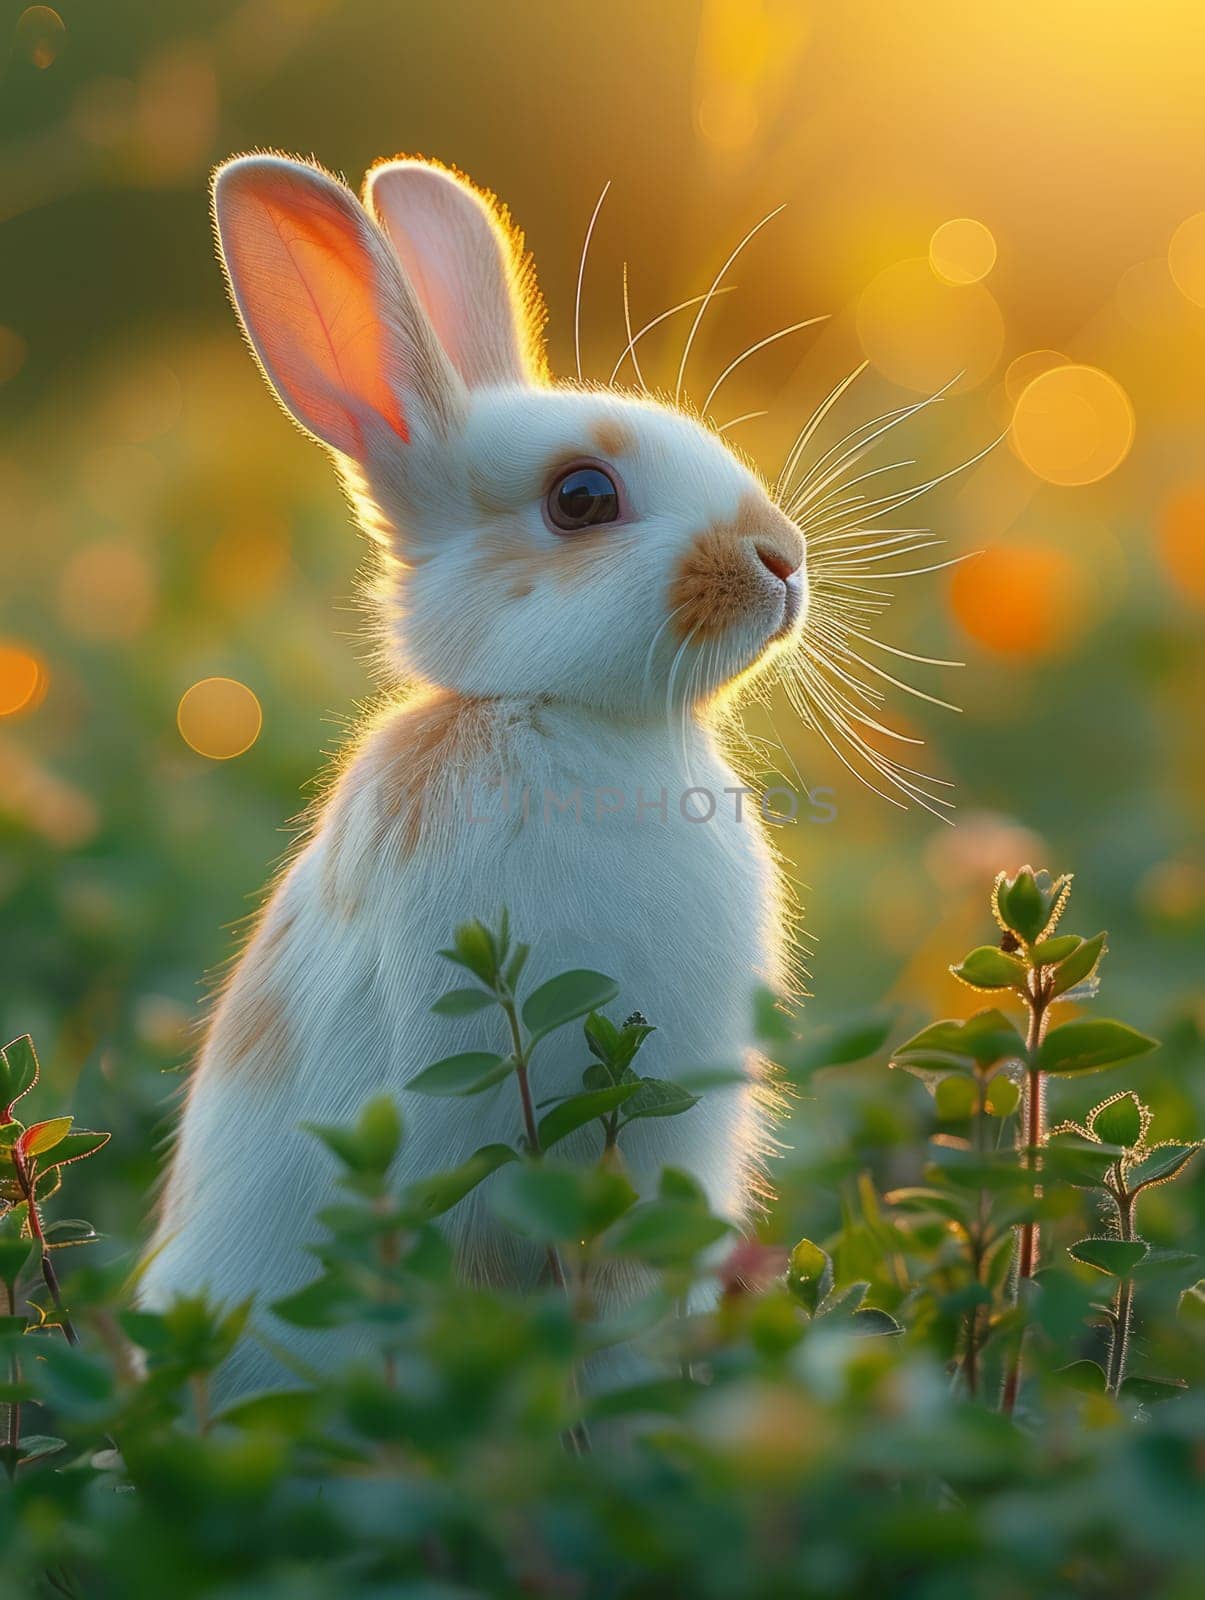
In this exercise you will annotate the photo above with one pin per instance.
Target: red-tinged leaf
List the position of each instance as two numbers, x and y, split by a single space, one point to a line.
42 1136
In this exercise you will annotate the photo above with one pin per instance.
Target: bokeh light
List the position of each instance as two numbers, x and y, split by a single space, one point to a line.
219 718
1024 601
921 332
1182 542
40 35
23 679
1073 425
1186 258
962 250
107 591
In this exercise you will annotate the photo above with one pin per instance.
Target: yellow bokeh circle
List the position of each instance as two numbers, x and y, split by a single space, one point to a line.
1186 258
962 250
22 679
1073 425
219 718
921 332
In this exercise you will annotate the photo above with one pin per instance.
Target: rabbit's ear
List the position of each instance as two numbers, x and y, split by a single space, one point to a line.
466 262
336 328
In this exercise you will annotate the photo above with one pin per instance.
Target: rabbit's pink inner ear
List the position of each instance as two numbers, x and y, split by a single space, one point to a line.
465 262
309 281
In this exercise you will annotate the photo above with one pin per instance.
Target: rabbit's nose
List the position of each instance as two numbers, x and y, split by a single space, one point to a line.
774 561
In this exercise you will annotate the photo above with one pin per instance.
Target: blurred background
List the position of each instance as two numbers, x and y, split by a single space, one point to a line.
1010 195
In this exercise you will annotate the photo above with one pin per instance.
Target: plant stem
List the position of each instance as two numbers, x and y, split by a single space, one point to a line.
1029 1244
1123 1309
25 1179
13 1438
970 1362
577 1438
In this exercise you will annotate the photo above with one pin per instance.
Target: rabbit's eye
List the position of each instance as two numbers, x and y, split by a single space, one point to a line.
583 497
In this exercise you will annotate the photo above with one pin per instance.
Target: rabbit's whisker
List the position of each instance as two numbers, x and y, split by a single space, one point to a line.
761 344
808 432
627 323
710 295
581 273
683 305
745 416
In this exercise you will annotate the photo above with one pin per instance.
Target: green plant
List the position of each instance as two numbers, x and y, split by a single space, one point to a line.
993 1198
32 1158
767 1445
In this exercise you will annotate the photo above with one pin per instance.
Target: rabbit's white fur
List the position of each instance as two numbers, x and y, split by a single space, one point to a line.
549 667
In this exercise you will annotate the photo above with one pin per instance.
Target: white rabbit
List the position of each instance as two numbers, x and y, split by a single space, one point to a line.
569 575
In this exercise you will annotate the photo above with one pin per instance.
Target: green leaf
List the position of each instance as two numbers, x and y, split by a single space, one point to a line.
432 1196
1083 1163
955 1099
665 1233
1150 1391
674 1184
1159 1261
658 1097
1051 951
18 1072
1085 1377
75 1146
325 1303
771 1025
991 968
14 1251
579 1109
68 1231
809 1274
1122 1120
602 1036
463 1002
290 1411
1003 1096
564 998
937 1202
871 1321
1079 965
473 948
985 1038
1020 906
379 1133
34 1446
43 1136
515 965
465 1074
839 1045
1117 1257
1087 1045
555 1204
1161 1164
1190 1307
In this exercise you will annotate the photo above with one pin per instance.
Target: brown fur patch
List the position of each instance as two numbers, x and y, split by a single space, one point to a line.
416 756
720 579
612 437
250 1031
577 558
